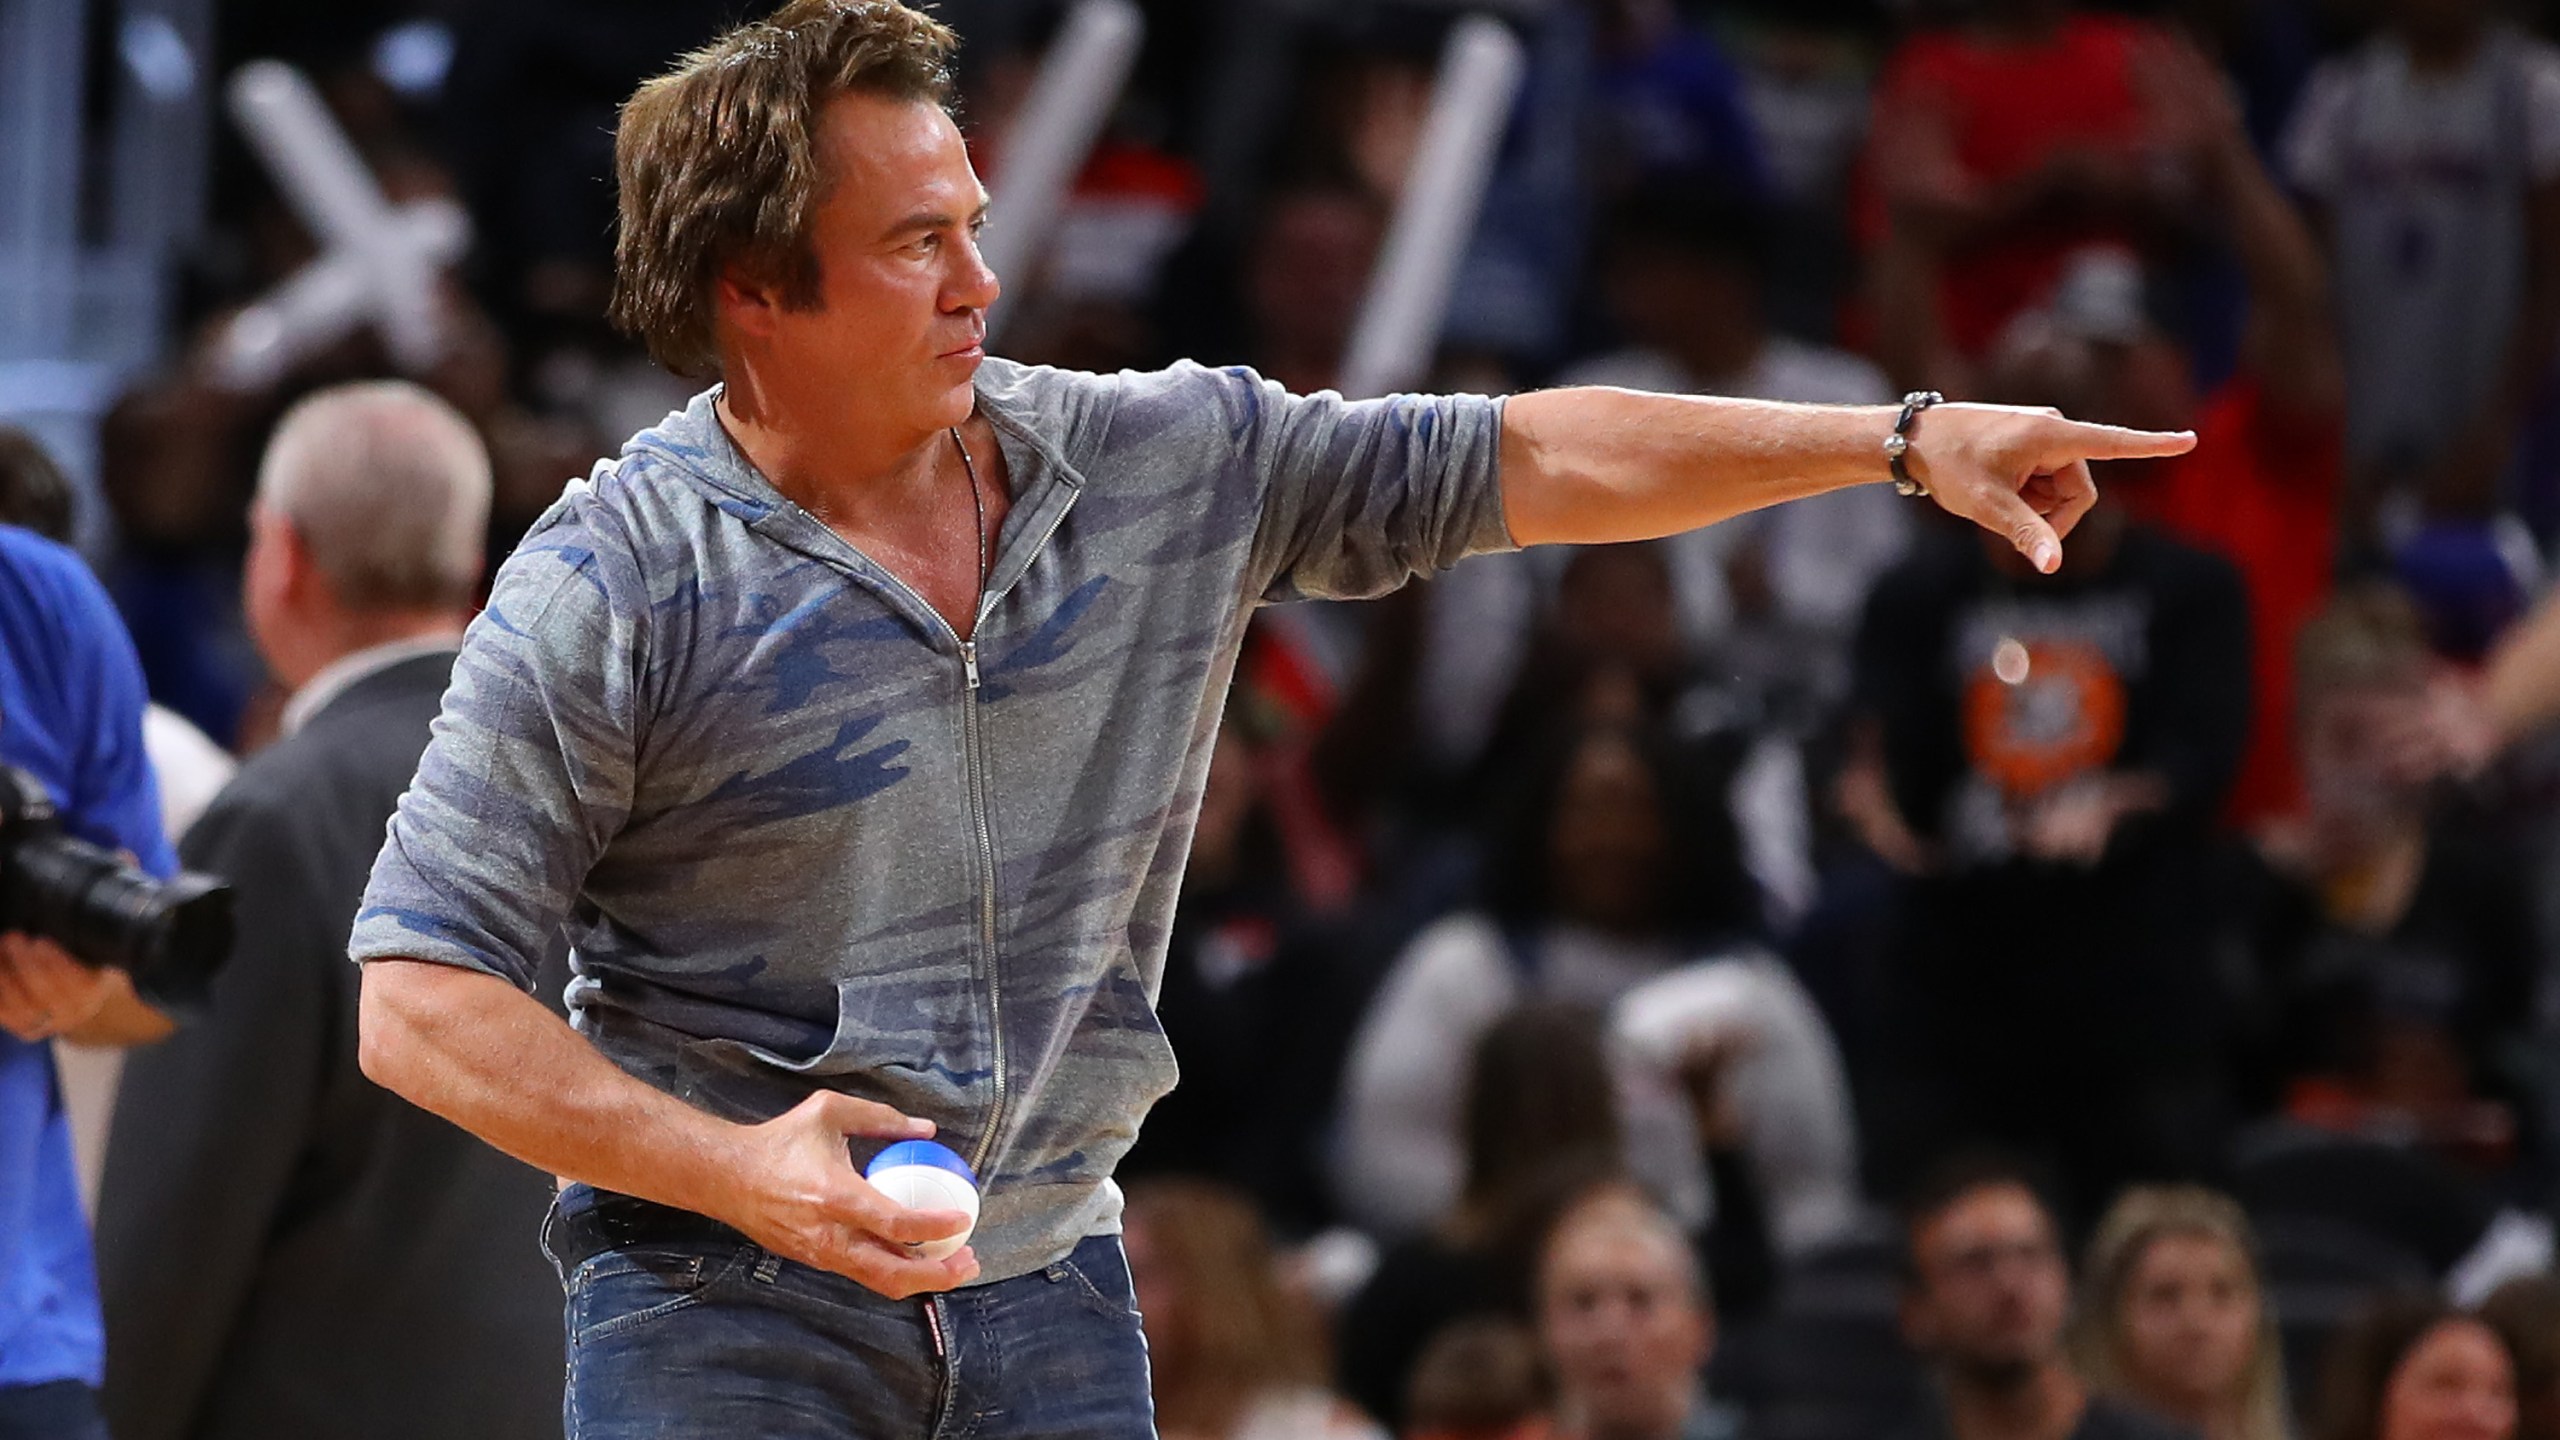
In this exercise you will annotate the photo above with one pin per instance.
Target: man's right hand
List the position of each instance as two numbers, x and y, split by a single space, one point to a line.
800 1197
473 1048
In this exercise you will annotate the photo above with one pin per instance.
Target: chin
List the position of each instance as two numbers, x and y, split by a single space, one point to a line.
959 402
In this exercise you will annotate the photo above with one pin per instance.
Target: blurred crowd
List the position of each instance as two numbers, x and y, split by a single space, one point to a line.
1811 978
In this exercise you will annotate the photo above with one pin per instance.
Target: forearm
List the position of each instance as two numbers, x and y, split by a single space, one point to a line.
1592 465
2277 250
488 1057
2293 346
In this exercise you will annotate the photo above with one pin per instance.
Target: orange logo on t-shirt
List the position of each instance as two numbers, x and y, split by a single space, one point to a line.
2060 720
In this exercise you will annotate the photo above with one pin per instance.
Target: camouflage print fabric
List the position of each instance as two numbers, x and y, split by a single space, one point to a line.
801 836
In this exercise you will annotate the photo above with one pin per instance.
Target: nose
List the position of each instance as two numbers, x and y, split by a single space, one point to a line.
972 286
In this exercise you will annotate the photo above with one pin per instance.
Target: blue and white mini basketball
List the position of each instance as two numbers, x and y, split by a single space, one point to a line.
924 1175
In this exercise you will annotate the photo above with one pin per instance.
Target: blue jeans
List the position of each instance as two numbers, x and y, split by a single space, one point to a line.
63 1410
709 1337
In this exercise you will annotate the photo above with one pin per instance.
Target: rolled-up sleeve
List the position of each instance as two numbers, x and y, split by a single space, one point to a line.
1339 499
1360 496
529 771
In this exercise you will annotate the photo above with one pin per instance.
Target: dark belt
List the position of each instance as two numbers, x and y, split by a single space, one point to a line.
585 1223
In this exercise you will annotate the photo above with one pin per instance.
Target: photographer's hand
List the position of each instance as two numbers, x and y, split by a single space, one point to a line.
45 994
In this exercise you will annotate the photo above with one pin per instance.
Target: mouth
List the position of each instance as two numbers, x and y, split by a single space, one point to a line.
975 349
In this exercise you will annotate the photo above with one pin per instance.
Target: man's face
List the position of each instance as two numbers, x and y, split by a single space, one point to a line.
1989 1290
1622 1320
901 319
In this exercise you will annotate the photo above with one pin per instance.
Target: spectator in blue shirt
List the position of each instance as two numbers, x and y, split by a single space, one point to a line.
71 715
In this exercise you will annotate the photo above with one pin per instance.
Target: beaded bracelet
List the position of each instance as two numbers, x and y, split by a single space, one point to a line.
1898 444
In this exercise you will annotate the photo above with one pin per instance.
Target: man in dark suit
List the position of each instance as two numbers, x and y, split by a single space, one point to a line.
286 1249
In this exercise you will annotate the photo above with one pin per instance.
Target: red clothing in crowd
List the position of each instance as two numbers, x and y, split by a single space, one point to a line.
2007 109
2261 490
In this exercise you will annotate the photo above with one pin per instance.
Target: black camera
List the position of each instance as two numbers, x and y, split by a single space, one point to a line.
169 935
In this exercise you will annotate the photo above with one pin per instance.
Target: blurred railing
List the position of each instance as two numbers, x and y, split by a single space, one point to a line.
88 216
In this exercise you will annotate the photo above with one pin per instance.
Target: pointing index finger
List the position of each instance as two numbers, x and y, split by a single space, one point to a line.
2084 441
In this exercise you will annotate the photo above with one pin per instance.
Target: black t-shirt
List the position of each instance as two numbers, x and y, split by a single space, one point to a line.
2461 960
2102 1419
2141 666
2107 1419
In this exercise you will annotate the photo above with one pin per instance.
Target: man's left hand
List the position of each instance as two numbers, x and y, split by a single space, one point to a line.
2021 473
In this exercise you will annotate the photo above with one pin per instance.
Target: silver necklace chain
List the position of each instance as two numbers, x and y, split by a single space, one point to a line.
977 503
824 513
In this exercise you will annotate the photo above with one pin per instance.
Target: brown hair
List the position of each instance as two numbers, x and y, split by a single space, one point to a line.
1241 1333
1480 1376
2369 1352
2137 1221
717 159
1956 1177
2369 635
1539 1103
2528 1310
34 495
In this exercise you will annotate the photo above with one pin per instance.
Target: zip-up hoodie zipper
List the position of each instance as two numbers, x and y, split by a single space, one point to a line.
974 763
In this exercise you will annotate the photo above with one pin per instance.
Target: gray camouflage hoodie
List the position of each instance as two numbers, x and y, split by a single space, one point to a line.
802 836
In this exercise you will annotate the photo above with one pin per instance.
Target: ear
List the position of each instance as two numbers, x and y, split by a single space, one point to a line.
297 573
745 301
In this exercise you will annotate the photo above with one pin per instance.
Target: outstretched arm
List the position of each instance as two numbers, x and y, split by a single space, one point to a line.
1594 465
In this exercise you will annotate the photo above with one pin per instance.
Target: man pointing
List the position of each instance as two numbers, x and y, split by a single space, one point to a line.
855 718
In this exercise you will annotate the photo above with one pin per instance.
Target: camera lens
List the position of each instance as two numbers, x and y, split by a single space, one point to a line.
169 936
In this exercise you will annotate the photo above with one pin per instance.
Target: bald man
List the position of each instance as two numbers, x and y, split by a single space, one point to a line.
286 1249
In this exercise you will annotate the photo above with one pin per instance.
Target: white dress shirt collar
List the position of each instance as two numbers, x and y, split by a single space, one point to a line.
338 675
